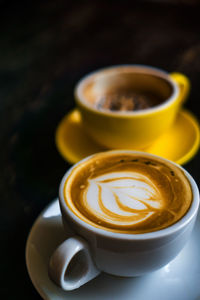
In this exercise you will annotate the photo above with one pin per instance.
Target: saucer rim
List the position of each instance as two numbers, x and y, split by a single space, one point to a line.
191 153
182 160
30 234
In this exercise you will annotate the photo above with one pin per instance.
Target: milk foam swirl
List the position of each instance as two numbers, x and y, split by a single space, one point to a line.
122 198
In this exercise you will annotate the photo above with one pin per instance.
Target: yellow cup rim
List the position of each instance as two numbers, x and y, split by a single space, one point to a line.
81 101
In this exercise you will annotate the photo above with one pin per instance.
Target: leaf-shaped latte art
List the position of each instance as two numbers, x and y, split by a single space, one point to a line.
122 198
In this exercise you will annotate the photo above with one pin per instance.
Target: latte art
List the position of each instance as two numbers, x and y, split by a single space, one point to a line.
122 198
127 193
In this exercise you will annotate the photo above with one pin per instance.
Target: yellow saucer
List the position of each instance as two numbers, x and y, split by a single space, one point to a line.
179 143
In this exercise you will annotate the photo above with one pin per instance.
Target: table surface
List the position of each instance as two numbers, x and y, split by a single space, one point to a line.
45 48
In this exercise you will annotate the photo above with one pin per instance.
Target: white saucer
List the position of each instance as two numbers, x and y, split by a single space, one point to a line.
180 279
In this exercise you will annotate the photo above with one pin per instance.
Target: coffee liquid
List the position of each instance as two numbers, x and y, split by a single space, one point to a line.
128 193
128 101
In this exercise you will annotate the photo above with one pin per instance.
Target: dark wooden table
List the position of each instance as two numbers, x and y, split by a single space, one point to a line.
45 48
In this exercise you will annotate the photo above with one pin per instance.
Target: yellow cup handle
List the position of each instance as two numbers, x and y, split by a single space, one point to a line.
183 83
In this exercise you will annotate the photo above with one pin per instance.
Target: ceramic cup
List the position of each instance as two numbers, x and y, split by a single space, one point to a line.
130 129
91 250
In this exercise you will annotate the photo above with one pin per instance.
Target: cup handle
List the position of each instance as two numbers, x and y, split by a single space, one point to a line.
71 264
183 83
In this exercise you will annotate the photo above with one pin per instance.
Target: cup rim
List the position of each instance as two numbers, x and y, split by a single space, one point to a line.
80 99
186 219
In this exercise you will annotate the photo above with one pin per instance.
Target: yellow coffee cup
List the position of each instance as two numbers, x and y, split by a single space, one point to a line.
135 129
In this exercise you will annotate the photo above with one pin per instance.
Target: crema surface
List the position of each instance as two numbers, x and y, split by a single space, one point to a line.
127 193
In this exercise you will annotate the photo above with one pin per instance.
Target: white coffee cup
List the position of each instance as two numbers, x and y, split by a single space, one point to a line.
91 250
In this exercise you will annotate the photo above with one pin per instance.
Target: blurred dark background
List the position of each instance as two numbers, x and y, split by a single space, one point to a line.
45 48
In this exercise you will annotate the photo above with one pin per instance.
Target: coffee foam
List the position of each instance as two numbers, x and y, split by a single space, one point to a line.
123 80
122 197
128 193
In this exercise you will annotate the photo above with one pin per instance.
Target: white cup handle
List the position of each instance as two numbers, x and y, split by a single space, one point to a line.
71 264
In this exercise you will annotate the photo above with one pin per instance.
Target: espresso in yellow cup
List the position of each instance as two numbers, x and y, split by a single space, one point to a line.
134 128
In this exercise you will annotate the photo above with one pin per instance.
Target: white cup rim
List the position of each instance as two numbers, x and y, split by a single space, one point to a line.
186 219
80 99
